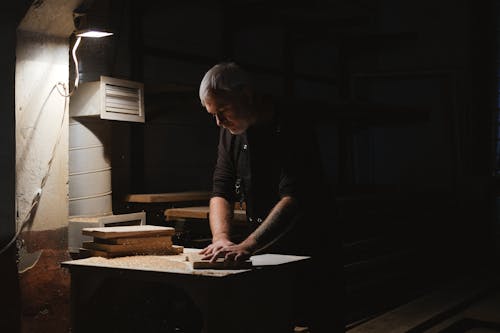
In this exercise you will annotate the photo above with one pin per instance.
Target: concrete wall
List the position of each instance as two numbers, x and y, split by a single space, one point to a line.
42 77
42 68
42 128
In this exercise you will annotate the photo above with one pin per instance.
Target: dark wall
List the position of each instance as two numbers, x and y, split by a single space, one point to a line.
402 95
10 317
8 280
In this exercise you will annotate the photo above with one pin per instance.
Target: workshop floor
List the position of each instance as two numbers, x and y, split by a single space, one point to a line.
467 305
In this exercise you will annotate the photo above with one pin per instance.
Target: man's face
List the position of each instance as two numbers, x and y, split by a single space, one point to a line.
229 113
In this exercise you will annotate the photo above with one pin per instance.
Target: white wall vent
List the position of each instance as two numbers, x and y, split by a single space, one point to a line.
109 98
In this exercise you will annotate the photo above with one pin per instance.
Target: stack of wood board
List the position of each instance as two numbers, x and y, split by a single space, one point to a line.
122 241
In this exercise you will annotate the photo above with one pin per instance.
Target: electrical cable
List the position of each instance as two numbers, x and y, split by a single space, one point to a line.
36 199
77 72
73 52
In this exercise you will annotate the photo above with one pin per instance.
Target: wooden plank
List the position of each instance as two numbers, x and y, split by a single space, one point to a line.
220 263
129 248
198 212
128 231
172 250
169 197
136 240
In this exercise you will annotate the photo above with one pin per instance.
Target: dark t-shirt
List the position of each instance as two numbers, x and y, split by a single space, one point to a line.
269 161
281 158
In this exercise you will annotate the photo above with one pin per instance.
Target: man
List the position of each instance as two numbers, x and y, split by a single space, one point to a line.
268 158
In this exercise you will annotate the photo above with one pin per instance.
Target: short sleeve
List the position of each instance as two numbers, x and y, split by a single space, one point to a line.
224 175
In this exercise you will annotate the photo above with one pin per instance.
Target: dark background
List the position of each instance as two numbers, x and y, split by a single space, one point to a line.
403 95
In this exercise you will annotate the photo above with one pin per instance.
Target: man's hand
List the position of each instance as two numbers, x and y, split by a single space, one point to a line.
233 252
215 247
229 251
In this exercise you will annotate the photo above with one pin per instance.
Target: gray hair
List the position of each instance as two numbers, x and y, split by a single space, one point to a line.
223 77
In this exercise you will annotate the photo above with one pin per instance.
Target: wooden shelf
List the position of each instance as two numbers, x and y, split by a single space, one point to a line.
168 197
199 212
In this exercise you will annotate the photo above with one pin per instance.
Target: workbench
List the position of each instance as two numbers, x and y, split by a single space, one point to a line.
154 204
240 300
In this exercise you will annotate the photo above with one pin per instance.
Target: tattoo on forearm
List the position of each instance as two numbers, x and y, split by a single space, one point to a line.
279 221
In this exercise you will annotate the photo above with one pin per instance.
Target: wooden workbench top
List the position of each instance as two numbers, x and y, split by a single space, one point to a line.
177 263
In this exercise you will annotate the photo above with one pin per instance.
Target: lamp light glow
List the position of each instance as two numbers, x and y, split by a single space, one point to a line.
91 19
93 33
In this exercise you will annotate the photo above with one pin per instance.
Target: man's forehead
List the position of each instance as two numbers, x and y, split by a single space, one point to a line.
226 94
218 99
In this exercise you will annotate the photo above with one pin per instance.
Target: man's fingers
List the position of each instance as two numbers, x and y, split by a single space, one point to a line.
206 257
217 254
228 253
207 250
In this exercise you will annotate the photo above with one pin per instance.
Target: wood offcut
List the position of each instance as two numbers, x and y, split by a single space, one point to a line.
110 242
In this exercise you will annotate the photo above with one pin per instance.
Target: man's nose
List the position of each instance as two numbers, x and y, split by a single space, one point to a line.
219 119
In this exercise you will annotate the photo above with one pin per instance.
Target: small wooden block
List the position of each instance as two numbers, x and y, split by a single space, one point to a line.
198 263
205 264
128 231
178 249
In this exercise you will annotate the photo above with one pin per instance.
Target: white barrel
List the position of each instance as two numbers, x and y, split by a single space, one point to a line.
89 168
92 206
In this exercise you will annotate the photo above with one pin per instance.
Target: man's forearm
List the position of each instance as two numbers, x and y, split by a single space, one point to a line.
278 222
221 214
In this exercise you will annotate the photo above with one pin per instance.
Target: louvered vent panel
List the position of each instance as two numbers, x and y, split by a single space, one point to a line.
111 99
119 99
